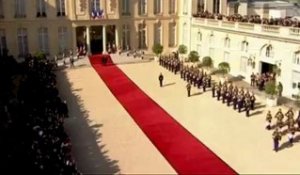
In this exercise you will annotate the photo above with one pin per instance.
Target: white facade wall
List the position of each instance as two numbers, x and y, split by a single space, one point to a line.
285 42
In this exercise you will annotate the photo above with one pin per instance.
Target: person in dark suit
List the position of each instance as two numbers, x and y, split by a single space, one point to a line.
188 88
160 78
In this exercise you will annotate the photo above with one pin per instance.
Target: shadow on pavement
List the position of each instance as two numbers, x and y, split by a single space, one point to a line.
169 84
90 154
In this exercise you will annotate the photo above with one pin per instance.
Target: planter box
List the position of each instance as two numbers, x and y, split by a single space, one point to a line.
271 102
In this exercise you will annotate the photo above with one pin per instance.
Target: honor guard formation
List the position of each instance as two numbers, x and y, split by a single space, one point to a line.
226 92
230 94
285 124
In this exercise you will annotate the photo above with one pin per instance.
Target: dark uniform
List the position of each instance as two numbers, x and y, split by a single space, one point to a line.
188 88
228 98
240 103
279 116
252 77
276 139
247 107
160 78
252 101
218 92
213 89
234 101
268 120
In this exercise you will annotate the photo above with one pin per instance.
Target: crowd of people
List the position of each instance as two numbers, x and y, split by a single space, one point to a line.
285 124
260 80
255 19
33 140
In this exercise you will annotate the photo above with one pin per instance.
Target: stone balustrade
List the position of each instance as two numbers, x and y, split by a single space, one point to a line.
250 27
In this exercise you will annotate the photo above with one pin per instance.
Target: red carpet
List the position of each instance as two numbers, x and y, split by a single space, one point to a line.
184 152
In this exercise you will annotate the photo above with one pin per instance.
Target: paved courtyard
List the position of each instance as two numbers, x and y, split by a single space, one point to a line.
106 139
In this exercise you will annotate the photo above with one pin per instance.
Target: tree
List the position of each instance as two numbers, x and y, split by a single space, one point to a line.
270 88
207 62
224 68
40 55
182 49
193 56
157 49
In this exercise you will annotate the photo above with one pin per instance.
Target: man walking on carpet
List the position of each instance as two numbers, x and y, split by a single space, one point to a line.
160 78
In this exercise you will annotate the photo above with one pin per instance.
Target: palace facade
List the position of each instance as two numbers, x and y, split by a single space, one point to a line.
56 26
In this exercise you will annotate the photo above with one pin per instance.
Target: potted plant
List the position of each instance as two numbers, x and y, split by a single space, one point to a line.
193 56
271 90
157 49
207 62
223 68
182 49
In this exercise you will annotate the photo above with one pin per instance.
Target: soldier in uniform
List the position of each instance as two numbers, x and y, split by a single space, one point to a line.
234 101
276 138
188 88
160 78
279 116
290 113
240 103
268 120
298 119
247 107
228 98
252 101
213 89
291 135
252 77
204 84
209 81
218 92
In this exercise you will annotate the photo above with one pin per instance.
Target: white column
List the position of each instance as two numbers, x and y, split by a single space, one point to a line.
104 38
88 39
117 37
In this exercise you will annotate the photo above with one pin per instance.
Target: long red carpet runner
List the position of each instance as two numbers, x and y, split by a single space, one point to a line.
185 153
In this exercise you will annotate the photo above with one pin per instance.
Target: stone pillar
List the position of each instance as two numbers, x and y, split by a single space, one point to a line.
104 38
88 40
117 36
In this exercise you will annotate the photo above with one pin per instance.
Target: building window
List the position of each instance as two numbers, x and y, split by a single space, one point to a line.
3 45
245 45
157 33
236 8
62 39
22 42
227 42
142 36
43 40
212 53
172 6
185 32
297 58
199 36
243 64
185 6
216 6
41 8
211 39
142 7
1 9
20 9
126 37
61 7
125 7
200 5
96 9
157 7
172 34
226 56
269 51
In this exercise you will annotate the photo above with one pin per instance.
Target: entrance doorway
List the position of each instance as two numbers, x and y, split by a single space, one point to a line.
96 39
267 67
